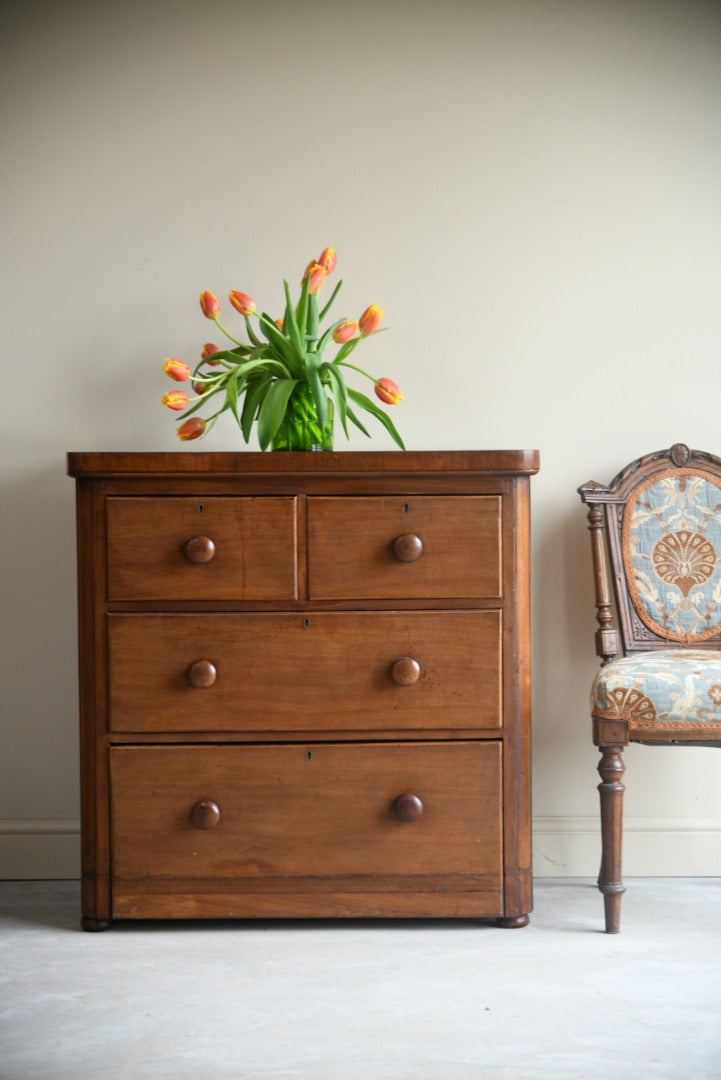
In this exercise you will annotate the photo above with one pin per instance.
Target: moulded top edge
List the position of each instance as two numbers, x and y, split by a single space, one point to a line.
225 463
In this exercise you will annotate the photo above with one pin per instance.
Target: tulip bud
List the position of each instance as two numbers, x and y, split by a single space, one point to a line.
176 399
328 259
242 302
388 391
177 370
193 428
279 322
200 387
345 332
370 320
209 305
316 273
209 349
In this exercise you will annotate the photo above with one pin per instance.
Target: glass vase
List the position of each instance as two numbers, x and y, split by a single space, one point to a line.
301 429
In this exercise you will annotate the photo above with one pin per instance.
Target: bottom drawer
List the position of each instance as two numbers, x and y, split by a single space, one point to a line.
310 830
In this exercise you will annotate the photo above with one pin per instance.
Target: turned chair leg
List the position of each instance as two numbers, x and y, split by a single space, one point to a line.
611 789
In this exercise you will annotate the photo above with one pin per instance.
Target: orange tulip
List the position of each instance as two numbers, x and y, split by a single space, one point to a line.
370 320
316 273
242 302
345 332
208 354
328 259
193 428
279 322
209 305
177 370
200 387
388 391
176 399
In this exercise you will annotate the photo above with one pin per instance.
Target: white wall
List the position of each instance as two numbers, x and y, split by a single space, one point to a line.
531 190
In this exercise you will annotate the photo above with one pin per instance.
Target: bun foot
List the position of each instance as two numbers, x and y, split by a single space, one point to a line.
514 923
94 925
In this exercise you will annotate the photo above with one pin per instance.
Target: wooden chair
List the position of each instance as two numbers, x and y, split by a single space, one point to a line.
656 533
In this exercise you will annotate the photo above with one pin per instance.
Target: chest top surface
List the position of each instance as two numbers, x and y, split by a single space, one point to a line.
99 464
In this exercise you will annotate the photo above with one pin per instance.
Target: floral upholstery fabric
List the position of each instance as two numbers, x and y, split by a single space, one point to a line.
671 693
672 554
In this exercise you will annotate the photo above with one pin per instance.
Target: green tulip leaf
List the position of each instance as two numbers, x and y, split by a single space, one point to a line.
311 333
333 295
231 394
345 350
256 389
272 410
372 408
301 311
201 402
279 343
251 333
290 325
352 416
228 356
340 392
321 401
252 365
329 334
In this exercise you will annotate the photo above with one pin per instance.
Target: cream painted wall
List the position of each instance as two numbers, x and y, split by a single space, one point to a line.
531 190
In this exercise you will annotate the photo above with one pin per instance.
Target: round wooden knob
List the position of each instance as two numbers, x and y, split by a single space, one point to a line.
202 674
205 814
405 671
408 808
199 549
407 547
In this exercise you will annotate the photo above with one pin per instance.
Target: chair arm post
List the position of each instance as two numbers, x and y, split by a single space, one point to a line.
606 638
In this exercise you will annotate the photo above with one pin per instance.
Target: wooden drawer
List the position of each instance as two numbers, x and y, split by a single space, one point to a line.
305 819
393 547
328 671
253 554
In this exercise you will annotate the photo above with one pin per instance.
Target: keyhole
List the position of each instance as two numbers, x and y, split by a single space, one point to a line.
308 755
201 508
406 508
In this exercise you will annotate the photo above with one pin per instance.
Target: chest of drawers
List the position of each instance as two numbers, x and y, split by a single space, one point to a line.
304 684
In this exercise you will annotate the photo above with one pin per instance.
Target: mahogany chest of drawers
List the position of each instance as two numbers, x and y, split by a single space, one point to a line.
304 684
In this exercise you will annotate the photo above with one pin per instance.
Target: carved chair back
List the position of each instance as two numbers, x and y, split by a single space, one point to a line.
659 522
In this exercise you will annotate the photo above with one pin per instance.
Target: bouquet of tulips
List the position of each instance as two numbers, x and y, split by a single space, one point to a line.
261 380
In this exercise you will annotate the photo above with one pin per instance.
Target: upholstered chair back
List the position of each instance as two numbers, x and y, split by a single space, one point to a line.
663 516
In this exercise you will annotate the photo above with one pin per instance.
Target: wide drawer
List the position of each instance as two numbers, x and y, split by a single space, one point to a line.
326 671
394 547
261 826
217 548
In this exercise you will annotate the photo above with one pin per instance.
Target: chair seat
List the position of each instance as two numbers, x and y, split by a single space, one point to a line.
665 694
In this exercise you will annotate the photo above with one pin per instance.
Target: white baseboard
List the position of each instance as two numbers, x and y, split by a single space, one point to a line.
49 848
39 848
652 847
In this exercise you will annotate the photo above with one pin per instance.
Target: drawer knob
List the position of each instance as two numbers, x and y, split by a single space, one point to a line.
405 671
408 808
407 547
205 814
202 674
199 549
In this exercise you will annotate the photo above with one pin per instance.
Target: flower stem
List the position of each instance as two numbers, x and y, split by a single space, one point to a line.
344 363
226 332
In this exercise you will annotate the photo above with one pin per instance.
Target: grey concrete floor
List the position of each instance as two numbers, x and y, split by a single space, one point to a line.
366 1000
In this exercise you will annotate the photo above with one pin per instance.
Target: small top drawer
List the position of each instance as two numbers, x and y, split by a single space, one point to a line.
396 547
217 548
